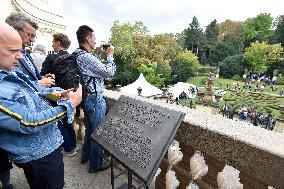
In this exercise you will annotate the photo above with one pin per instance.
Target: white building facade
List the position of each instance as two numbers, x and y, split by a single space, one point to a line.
48 14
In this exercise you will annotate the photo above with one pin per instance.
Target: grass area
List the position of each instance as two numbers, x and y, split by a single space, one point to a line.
268 102
200 82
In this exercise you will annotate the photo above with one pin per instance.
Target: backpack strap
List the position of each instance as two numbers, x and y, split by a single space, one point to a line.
76 55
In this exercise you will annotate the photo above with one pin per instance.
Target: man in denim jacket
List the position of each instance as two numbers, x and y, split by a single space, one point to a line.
93 73
26 28
28 123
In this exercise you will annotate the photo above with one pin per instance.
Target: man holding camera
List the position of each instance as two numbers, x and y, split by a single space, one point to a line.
93 73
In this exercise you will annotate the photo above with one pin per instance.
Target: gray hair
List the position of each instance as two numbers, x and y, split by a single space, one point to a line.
18 21
40 48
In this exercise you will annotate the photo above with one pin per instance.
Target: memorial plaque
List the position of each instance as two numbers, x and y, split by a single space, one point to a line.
138 134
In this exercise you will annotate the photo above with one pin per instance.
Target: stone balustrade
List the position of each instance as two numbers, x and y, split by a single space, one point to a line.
257 153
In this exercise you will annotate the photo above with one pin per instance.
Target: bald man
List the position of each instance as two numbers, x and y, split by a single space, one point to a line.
28 123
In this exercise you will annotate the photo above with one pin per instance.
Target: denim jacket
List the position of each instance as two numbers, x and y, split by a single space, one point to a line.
28 123
93 72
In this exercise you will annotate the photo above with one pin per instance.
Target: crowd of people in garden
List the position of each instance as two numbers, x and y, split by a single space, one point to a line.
251 115
255 82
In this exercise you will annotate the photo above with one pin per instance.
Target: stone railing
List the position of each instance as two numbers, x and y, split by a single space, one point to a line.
257 153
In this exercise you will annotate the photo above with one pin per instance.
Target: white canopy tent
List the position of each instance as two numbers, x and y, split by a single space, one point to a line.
147 89
180 87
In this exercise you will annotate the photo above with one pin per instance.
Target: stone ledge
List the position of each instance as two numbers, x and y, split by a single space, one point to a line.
254 151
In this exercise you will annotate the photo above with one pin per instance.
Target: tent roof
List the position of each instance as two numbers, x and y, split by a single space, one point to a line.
178 88
147 88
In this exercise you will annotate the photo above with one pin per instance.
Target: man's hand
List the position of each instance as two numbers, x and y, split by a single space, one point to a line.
46 82
110 51
49 75
63 93
75 97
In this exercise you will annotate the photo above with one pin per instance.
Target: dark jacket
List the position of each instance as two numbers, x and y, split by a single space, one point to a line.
48 62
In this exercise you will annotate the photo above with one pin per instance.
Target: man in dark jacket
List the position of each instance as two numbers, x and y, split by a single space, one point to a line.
60 44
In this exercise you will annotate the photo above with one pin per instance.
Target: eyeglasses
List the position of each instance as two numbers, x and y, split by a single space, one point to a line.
29 34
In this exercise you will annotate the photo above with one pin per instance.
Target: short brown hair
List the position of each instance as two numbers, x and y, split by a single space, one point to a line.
82 33
63 39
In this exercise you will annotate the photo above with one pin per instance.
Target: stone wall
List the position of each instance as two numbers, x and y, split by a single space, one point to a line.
256 152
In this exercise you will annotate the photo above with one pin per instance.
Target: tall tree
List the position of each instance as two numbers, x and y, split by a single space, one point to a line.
210 41
211 34
279 31
258 28
123 37
232 32
180 38
193 36
221 51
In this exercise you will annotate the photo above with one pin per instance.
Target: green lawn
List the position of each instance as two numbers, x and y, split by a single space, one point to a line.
200 82
268 102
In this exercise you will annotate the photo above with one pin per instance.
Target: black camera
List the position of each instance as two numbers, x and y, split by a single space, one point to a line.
105 47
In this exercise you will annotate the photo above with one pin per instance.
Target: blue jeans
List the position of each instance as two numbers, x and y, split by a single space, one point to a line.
94 111
69 135
46 172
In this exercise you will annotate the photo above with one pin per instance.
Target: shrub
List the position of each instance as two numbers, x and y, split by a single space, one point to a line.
184 66
237 77
280 79
232 65
202 71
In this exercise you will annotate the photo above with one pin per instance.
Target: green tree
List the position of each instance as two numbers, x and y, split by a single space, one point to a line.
258 28
279 31
193 36
232 32
260 55
211 34
134 47
163 49
221 51
231 66
125 73
151 74
279 65
210 41
123 38
184 66
180 38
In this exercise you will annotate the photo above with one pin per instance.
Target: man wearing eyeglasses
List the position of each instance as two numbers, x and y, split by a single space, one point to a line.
27 31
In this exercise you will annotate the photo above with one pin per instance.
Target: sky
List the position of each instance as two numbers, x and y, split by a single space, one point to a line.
160 16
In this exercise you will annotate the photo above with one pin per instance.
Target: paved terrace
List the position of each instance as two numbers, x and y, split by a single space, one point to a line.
76 176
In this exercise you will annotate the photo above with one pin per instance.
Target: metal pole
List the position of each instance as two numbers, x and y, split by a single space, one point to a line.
112 174
129 179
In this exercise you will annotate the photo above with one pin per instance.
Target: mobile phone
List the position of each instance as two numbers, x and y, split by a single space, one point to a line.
52 97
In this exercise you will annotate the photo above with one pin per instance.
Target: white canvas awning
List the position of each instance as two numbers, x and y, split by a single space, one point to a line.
180 87
147 89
